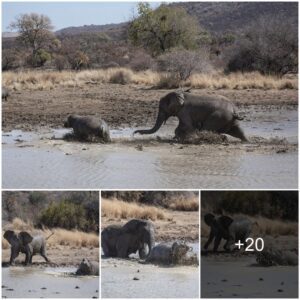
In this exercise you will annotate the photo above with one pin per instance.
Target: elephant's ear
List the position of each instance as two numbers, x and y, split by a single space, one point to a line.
176 102
8 235
225 221
208 219
25 238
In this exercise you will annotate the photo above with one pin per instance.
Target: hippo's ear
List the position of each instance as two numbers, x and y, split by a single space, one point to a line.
25 238
8 235
225 221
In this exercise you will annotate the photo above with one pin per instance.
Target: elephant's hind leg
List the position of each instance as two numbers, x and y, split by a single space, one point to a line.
237 132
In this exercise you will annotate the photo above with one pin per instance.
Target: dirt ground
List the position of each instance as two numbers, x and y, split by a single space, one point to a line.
179 226
119 105
62 256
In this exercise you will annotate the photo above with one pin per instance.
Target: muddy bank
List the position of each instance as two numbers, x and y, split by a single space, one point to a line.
242 278
180 225
130 279
119 105
33 282
60 256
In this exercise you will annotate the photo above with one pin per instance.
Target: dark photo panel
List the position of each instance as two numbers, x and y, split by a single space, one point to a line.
50 244
249 244
150 244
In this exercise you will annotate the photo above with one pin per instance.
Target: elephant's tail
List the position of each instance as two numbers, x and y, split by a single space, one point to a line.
236 116
49 236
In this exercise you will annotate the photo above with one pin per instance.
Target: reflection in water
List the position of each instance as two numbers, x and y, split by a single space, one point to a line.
19 282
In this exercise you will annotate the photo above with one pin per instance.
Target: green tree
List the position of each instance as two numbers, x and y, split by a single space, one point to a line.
163 28
35 34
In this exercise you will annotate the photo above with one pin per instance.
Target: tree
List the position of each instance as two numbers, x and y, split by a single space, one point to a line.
269 45
164 28
35 34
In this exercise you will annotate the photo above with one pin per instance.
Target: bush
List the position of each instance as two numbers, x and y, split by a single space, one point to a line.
269 45
182 63
141 61
168 81
121 77
64 214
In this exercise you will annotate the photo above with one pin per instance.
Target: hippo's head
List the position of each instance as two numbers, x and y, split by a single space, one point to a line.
69 122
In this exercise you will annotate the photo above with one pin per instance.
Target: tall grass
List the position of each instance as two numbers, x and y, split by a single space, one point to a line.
46 80
114 208
185 204
60 236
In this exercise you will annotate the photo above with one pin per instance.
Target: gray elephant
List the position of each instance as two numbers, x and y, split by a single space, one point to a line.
25 243
171 254
224 227
121 241
88 267
5 93
85 127
195 112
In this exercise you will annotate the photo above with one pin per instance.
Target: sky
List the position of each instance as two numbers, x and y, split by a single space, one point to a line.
66 14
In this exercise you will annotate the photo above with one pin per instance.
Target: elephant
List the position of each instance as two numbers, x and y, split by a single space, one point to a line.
225 227
121 241
85 127
195 112
25 243
5 93
88 267
171 254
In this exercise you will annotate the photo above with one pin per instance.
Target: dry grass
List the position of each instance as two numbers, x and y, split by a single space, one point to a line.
241 81
114 208
264 227
183 204
61 236
46 80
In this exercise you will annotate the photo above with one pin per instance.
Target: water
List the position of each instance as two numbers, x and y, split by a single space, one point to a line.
43 160
153 281
30 282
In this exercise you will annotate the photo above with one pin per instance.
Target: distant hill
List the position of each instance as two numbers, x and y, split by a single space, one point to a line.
234 16
113 31
214 16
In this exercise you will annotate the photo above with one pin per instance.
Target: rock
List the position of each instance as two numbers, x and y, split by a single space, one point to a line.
138 271
224 280
10 290
135 278
4 286
43 288
139 147
279 290
282 283
77 287
261 279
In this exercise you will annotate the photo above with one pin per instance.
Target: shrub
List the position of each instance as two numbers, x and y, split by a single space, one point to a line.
269 45
141 61
121 77
64 214
182 63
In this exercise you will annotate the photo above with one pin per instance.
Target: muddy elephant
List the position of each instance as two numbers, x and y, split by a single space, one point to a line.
224 227
25 243
198 112
5 93
88 267
86 127
121 241
169 254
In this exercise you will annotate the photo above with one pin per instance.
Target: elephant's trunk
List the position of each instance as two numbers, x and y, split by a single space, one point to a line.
159 121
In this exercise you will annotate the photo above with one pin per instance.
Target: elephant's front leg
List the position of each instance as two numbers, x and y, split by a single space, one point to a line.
184 129
13 255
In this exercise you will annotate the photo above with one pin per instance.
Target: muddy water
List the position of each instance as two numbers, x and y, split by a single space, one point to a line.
19 282
130 279
43 160
242 279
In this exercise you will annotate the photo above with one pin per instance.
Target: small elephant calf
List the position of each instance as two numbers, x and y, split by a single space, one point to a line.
88 267
85 127
25 243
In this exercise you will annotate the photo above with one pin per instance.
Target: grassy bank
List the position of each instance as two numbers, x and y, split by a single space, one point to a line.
47 80
60 236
